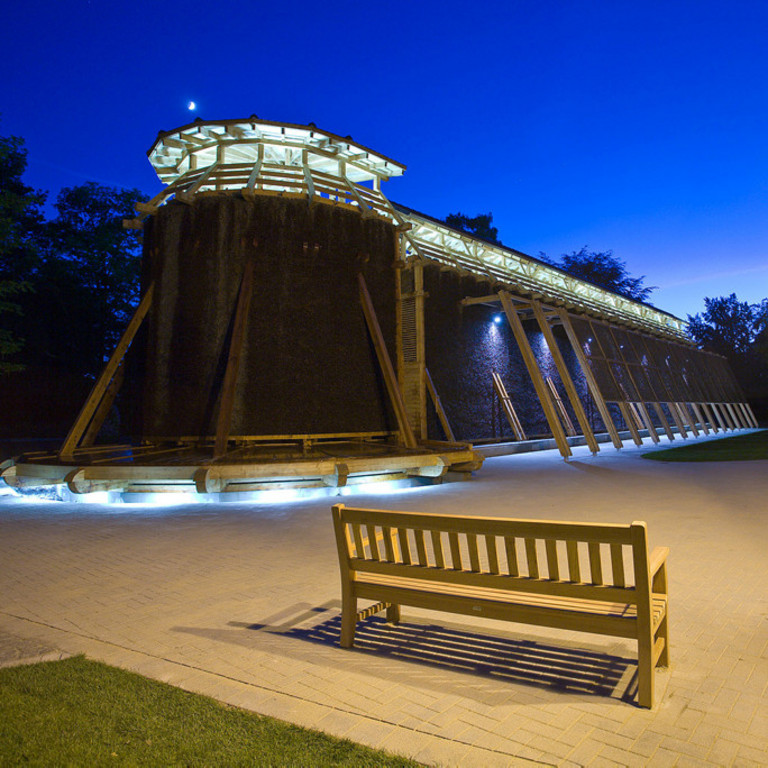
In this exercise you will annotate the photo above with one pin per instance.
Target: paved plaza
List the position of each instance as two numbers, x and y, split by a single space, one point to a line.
241 602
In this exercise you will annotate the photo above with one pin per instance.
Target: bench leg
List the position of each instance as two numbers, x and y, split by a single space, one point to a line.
645 671
663 632
393 614
348 620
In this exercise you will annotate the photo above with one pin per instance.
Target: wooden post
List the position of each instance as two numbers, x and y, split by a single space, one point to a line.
507 407
385 363
535 373
104 407
711 417
597 396
645 417
565 377
570 430
697 415
224 420
66 453
439 408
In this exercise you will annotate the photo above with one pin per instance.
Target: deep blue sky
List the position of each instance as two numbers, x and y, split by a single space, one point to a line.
640 127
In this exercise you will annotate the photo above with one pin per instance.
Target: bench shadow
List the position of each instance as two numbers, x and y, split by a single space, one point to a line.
501 659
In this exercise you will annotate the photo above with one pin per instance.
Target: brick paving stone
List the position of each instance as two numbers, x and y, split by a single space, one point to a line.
172 594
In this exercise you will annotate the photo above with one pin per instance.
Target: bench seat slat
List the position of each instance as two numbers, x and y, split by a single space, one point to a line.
552 615
491 581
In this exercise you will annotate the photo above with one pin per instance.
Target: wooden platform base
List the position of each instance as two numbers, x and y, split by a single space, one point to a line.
178 467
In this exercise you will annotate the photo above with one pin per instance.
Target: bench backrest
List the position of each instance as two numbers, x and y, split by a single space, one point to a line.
585 560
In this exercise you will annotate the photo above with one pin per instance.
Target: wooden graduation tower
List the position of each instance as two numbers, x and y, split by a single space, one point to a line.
297 328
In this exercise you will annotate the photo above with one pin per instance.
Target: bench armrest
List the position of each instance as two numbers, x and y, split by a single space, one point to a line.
658 568
658 558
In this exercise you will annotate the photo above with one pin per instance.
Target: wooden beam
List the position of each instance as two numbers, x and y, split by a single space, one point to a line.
100 387
594 389
507 407
385 363
439 408
224 421
698 416
535 373
105 406
565 377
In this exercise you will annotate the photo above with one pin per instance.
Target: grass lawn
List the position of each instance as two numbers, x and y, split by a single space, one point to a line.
742 448
77 712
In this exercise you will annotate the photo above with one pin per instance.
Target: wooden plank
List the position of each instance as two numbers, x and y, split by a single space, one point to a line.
474 557
572 550
521 528
405 547
105 406
385 363
712 421
66 453
698 416
437 548
629 420
565 377
535 373
453 542
532 558
421 547
617 565
507 407
553 568
511 550
663 419
673 409
373 541
595 563
594 389
224 420
570 430
493 558
358 539
439 407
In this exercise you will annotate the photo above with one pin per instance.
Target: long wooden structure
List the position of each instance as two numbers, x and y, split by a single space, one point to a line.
280 332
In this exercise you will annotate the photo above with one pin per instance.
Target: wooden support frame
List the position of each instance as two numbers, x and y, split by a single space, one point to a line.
224 420
507 407
390 379
570 430
594 389
637 405
535 373
439 407
565 377
89 409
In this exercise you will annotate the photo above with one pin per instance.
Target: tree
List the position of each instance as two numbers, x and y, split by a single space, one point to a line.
479 226
728 326
20 223
88 282
737 330
603 269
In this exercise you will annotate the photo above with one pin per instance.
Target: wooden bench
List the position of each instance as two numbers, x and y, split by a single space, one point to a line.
574 576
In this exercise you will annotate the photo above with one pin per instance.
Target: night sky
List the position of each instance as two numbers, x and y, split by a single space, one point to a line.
640 127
